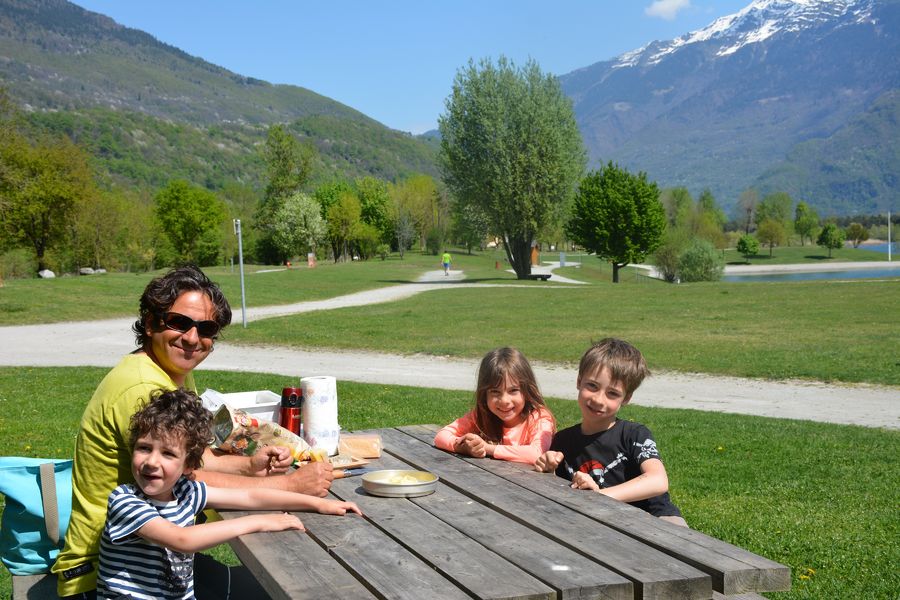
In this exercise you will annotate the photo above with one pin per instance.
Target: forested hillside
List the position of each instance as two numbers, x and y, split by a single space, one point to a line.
148 112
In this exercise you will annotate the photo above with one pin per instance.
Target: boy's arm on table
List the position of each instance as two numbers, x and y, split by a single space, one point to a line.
202 537
652 481
270 499
313 478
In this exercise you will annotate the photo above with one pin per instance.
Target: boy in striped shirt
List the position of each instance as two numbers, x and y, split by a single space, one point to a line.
148 544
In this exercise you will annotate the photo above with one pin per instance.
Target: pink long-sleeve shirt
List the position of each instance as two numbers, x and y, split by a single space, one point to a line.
523 443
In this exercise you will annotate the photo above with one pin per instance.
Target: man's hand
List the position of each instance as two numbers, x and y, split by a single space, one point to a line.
472 445
548 461
583 481
313 478
270 460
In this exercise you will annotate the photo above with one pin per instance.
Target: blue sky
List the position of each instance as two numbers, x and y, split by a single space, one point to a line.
395 60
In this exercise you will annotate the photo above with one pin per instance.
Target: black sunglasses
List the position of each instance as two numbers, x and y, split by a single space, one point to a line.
182 324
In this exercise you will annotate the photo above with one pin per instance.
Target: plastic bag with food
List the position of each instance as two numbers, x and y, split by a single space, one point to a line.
236 432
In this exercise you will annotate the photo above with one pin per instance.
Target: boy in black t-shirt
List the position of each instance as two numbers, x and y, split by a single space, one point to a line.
606 454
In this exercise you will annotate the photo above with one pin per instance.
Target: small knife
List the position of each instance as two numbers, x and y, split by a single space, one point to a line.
341 473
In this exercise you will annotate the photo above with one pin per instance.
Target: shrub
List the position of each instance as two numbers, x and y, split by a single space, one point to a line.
700 262
383 250
748 246
666 258
18 263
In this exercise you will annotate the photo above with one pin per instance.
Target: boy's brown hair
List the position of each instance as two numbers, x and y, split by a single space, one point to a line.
175 413
625 363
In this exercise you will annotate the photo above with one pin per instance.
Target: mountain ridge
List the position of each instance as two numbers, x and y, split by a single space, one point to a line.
149 112
746 92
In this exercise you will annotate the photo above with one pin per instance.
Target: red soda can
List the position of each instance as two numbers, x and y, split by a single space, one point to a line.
291 401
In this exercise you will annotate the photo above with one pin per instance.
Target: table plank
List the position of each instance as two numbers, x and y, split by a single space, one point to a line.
292 565
450 553
654 573
573 576
388 569
733 569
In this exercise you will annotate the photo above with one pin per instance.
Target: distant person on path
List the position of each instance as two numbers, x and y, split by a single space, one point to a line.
603 453
148 544
510 420
445 260
181 315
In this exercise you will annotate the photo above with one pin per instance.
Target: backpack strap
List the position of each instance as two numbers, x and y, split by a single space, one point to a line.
48 498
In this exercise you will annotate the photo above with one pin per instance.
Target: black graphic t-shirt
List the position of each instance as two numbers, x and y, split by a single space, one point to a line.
612 457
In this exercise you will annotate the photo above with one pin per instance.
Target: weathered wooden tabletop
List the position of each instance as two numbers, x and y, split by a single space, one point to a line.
494 529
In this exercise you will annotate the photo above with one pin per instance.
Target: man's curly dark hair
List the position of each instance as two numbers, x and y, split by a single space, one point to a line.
162 292
175 413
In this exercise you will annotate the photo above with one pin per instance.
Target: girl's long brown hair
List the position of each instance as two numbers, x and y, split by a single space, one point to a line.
496 366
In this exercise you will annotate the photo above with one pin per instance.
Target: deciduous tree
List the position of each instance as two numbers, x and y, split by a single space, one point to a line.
299 226
776 207
343 219
41 184
191 218
288 166
831 237
771 233
618 216
510 144
857 234
746 206
806 222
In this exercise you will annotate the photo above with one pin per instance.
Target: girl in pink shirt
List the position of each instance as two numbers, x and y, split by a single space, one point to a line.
510 420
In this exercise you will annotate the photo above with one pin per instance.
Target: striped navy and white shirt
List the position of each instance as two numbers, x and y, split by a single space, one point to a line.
132 566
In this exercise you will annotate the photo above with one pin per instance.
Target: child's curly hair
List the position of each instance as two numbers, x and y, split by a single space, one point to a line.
175 413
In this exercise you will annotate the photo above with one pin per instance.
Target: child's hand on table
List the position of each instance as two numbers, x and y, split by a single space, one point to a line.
473 445
548 461
583 481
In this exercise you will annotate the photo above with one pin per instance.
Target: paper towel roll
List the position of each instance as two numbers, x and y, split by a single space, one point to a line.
319 414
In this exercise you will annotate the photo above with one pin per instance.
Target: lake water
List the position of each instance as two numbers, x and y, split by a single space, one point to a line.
885 273
883 247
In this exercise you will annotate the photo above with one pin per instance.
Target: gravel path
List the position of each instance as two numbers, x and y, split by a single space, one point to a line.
108 340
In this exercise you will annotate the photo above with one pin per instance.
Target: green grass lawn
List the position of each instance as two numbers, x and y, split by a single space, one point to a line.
819 498
803 254
821 330
27 301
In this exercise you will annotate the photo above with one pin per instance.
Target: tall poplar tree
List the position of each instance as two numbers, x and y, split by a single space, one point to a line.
510 145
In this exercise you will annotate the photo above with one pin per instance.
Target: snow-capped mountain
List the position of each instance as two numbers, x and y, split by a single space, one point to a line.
756 23
725 106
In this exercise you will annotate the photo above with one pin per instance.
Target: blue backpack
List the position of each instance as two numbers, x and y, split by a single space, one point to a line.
38 506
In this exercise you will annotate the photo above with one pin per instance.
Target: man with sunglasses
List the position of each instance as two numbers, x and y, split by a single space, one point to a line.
181 316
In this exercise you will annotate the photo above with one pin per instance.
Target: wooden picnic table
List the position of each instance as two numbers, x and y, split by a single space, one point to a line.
494 529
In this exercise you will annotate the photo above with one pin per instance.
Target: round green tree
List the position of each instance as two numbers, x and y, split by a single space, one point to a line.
748 246
831 237
617 216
